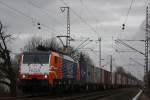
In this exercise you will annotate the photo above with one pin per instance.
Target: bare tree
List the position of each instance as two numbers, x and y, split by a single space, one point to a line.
85 58
33 43
120 69
37 43
53 45
6 71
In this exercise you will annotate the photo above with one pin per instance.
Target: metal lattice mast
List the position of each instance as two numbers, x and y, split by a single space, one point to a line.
146 49
99 52
68 28
146 43
67 46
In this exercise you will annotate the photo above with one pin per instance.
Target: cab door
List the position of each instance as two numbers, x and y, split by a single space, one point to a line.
55 67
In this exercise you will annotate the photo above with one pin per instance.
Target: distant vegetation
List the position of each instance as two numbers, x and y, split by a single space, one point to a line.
37 43
121 70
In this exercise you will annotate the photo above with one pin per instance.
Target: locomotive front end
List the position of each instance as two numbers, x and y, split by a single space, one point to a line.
34 71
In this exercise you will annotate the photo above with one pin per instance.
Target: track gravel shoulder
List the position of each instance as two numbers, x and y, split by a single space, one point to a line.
127 94
112 94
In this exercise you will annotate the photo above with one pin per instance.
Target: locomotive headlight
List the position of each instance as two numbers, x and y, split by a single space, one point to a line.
23 76
45 76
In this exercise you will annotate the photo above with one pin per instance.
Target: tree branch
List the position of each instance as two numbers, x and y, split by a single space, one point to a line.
4 82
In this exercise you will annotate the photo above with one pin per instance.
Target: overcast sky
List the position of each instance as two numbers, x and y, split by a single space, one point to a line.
89 18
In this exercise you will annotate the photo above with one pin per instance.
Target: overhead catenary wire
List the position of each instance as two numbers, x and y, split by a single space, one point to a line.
127 15
127 45
88 11
46 11
81 18
25 15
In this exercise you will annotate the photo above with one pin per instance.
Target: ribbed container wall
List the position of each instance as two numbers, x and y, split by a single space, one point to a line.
69 69
113 78
86 72
118 79
126 80
122 79
102 76
107 77
90 74
83 71
96 75
129 81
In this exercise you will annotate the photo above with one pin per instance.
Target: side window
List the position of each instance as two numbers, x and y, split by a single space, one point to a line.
56 59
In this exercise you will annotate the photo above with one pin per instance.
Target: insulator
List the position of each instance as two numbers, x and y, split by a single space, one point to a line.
123 26
38 23
39 28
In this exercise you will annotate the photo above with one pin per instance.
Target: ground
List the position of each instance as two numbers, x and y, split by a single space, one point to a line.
145 94
127 94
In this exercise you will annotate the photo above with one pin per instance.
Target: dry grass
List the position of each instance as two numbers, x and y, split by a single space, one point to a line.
145 95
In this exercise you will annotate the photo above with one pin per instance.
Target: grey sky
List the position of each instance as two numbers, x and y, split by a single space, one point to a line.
104 16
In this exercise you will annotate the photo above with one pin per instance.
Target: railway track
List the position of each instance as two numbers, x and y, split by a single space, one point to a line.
75 96
90 96
24 97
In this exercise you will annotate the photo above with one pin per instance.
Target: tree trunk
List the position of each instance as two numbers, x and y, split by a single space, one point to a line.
13 87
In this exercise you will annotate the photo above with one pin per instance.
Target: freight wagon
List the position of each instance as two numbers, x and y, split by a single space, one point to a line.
87 75
113 81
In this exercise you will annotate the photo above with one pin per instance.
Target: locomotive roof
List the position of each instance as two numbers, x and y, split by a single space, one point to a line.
40 52
37 52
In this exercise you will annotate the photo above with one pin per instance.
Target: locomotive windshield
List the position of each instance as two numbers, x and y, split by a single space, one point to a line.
35 63
36 58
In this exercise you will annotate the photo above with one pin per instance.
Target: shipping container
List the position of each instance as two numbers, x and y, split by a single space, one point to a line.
82 71
126 80
118 78
107 77
102 76
69 68
96 75
122 79
113 78
86 72
129 81
90 74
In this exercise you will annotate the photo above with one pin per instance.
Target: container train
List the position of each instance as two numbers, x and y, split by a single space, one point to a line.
52 70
